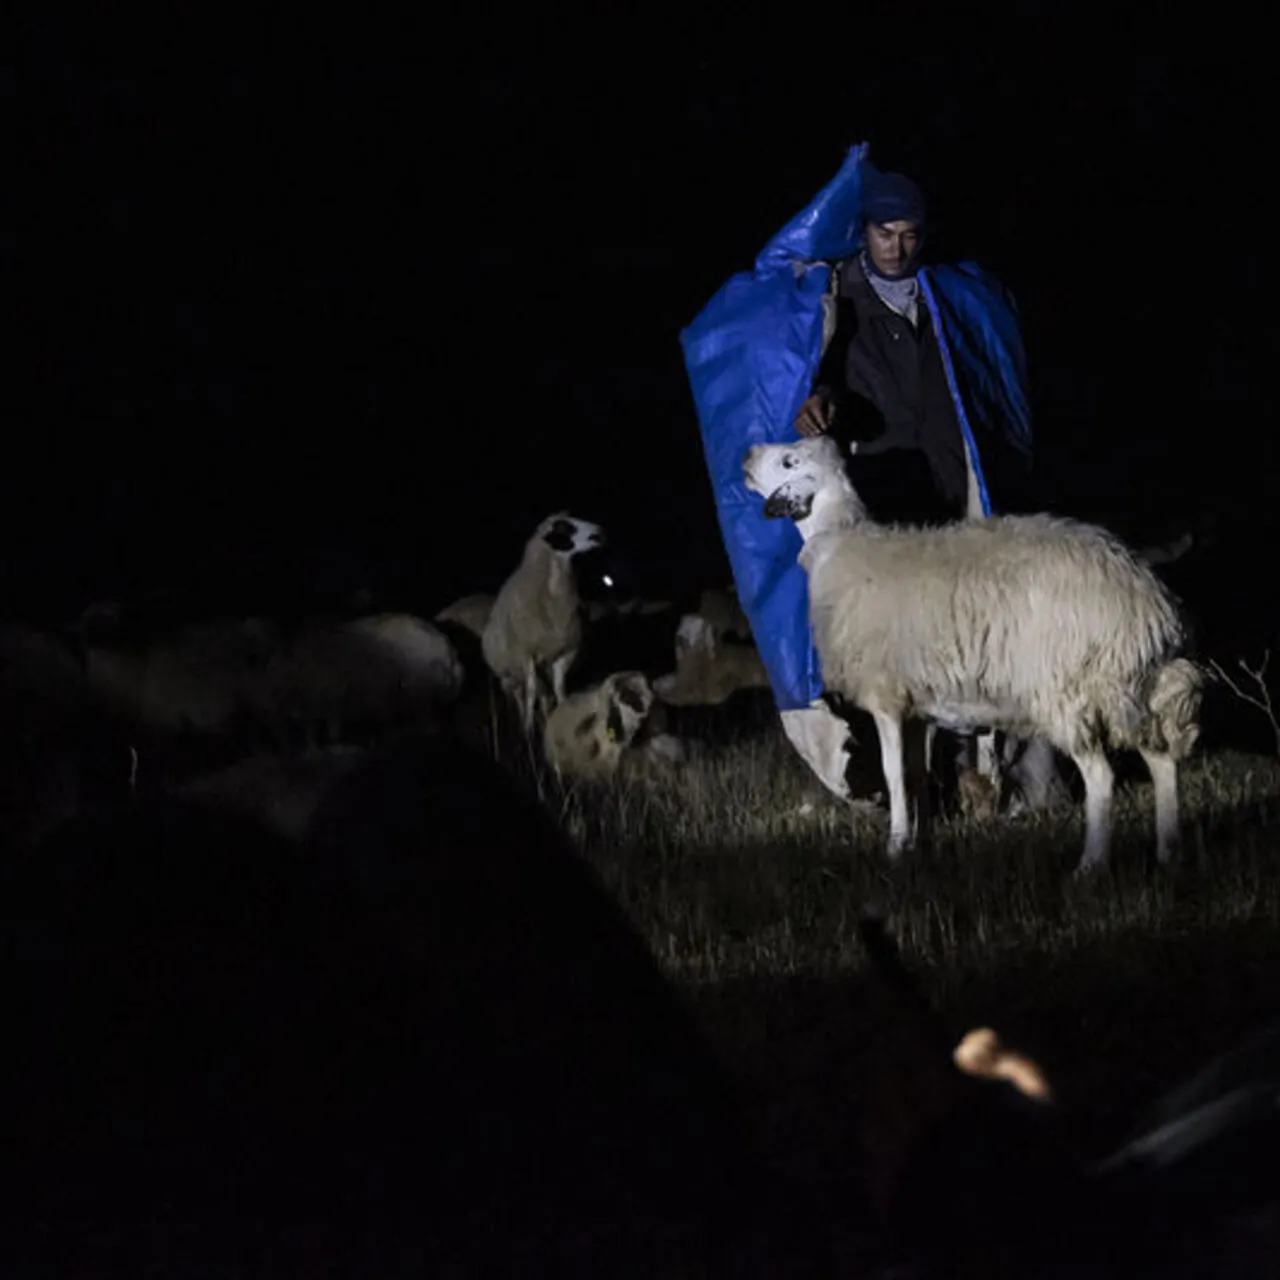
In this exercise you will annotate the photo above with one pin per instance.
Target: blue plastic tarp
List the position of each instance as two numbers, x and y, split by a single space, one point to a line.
751 357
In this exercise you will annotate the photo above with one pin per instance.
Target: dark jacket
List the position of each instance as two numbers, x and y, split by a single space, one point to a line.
889 386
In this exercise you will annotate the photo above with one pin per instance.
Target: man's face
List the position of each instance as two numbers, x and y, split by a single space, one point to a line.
892 245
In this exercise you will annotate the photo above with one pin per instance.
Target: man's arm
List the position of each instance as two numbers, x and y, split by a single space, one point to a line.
830 384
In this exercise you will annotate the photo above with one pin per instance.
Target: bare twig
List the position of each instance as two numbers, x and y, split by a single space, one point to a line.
1261 699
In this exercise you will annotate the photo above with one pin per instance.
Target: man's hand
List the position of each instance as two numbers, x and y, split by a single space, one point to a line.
814 418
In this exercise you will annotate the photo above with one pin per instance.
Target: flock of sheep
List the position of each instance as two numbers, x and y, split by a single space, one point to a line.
115 706
1033 626
407 910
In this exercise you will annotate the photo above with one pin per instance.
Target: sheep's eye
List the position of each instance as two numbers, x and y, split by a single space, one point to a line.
788 462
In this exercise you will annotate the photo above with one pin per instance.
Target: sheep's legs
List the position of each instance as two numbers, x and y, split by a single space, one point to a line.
1098 779
917 756
1036 773
889 731
559 674
988 758
530 696
1164 776
930 738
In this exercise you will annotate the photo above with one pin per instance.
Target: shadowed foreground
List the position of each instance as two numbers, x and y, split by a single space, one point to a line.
425 1034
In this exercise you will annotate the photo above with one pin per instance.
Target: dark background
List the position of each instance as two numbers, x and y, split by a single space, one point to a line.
312 308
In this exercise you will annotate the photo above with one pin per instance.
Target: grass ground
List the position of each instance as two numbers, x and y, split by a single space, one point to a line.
746 878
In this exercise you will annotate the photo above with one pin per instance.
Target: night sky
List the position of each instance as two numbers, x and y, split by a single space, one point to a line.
310 309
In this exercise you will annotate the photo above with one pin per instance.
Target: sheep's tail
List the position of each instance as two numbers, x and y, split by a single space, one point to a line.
1175 703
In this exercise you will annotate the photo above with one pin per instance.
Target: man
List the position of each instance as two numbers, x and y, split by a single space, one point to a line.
883 379
882 376
924 366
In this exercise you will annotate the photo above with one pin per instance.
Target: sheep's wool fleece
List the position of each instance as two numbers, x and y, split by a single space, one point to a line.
1033 611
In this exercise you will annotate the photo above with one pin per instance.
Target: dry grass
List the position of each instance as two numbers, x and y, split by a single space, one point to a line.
746 878
738 865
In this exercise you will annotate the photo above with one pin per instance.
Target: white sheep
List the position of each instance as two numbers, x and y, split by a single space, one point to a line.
708 671
1037 625
535 626
595 733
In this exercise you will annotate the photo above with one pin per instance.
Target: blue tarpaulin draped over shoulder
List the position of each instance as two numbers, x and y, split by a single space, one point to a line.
751 356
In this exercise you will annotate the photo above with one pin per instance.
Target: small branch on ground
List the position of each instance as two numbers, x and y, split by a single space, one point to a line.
1262 698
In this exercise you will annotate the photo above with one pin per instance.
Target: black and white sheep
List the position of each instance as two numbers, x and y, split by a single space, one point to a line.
598 732
1037 625
535 626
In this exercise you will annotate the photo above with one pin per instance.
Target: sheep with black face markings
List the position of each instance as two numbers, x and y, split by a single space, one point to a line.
607 729
1037 625
535 626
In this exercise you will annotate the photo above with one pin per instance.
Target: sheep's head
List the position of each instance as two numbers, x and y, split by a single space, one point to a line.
695 632
788 476
630 700
568 536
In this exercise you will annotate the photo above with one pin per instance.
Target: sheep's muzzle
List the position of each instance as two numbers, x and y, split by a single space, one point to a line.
780 503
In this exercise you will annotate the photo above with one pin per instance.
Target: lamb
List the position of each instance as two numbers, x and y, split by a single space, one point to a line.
593 734
1032 624
535 625
709 672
